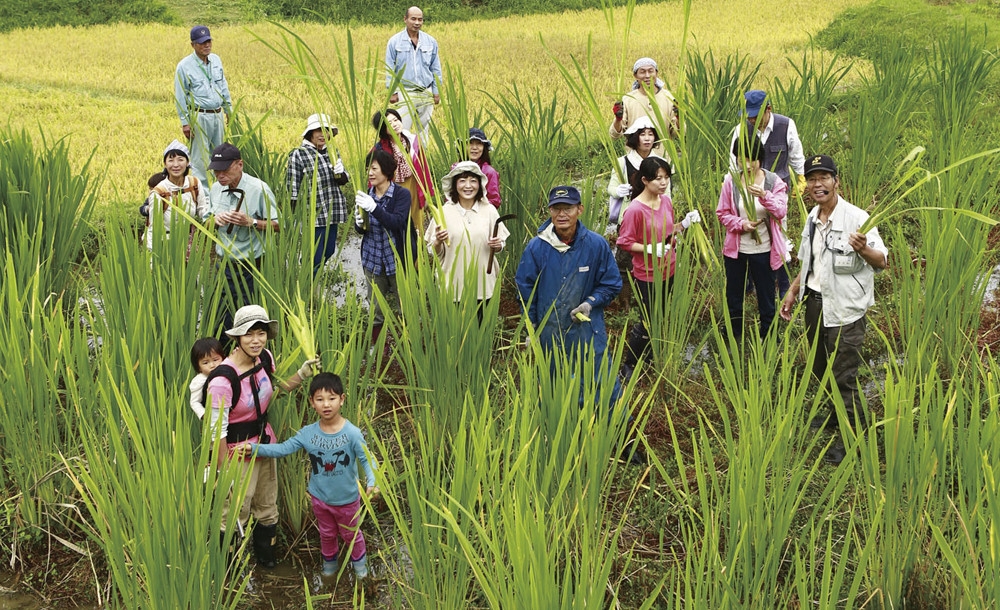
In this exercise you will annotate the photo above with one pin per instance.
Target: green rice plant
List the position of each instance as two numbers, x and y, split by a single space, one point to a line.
940 297
710 100
43 198
429 473
907 494
876 125
534 131
829 564
744 530
32 404
144 294
968 539
959 66
149 511
443 350
808 95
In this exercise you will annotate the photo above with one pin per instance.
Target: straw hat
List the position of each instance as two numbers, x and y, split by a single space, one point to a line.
247 316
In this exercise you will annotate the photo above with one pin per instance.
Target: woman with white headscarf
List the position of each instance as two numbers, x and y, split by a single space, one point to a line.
176 187
636 103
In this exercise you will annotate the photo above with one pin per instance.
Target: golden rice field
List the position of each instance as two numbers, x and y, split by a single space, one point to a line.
109 88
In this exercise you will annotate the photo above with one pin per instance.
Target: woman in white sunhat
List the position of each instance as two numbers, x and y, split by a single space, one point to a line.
640 138
310 159
238 392
466 243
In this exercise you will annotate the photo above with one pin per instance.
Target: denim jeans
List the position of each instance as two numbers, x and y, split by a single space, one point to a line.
326 245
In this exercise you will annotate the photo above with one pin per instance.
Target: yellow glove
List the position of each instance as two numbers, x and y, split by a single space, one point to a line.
800 184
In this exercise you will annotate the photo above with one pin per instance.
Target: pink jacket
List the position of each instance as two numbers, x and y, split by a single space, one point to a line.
775 201
492 184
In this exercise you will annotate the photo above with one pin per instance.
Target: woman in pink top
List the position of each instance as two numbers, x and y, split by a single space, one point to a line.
756 247
647 231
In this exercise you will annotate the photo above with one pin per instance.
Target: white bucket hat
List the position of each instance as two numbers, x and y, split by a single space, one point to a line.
247 316
315 121
460 168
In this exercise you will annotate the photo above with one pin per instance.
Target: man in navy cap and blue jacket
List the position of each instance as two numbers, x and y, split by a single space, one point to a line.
201 94
570 271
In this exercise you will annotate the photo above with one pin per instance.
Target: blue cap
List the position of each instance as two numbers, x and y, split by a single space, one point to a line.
200 34
564 194
755 100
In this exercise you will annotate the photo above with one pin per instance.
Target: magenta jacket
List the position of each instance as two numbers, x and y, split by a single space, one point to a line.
775 201
492 184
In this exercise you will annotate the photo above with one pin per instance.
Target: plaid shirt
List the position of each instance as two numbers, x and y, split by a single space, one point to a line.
376 246
331 205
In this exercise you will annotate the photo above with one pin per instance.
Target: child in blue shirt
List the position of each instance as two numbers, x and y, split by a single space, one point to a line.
335 447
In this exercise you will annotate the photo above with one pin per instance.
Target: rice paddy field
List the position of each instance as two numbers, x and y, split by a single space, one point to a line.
500 474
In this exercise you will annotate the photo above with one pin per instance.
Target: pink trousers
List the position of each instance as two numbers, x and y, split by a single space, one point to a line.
339 522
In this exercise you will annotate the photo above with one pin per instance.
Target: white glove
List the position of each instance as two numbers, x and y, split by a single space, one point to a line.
338 167
306 370
659 249
364 201
359 220
692 217
584 309
624 190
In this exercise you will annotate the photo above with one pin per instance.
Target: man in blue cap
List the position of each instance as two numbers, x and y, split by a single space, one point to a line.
201 94
778 134
782 155
568 270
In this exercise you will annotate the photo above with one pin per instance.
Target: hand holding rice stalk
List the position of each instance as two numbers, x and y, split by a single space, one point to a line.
702 245
741 177
908 170
302 330
434 206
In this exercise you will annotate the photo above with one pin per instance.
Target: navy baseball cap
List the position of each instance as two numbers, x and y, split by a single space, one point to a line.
755 100
820 163
564 194
223 156
200 34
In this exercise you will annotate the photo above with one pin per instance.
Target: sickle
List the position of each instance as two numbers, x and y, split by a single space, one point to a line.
239 204
496 229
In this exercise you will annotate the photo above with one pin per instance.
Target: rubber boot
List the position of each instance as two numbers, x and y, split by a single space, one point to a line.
264 537
361 568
